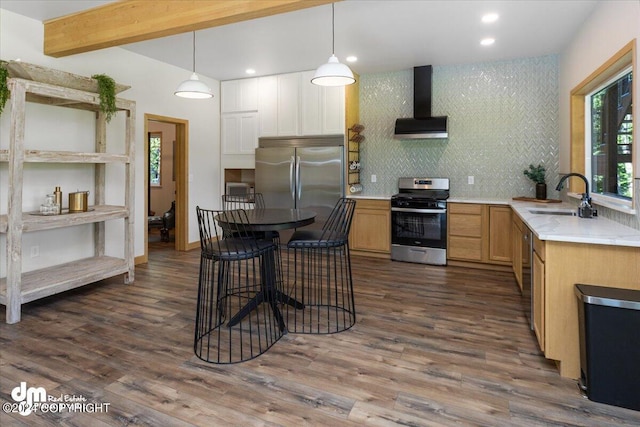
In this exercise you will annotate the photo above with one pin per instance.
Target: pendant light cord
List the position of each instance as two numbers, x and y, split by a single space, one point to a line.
333 29
194 51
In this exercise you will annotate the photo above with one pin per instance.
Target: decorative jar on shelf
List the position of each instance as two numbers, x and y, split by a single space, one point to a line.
78 201
49 207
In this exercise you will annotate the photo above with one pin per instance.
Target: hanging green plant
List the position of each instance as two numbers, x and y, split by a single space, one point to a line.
4 88
107 92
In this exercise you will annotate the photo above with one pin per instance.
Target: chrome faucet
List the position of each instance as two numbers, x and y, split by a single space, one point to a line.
584 210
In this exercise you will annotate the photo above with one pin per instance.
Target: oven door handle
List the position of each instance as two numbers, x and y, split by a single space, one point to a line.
428 211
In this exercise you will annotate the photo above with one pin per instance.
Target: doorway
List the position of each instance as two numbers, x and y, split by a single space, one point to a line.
171 178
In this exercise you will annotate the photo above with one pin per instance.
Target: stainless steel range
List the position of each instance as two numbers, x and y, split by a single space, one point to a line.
419 221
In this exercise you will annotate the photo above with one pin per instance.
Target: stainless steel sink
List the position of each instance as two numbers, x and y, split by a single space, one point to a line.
563 212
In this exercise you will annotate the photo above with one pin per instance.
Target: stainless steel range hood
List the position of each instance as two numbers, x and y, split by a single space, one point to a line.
423 125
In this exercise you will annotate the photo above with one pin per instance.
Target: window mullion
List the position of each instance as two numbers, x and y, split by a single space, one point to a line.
610 139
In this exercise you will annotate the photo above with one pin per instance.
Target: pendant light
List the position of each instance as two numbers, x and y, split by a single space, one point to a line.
193 88
333 73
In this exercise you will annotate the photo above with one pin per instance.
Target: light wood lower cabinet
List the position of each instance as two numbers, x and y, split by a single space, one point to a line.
500 234
538 294
557 268
520 249
516 249
465 224
371 227
479 233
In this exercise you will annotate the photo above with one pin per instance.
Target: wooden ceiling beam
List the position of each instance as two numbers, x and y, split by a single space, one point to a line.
131 21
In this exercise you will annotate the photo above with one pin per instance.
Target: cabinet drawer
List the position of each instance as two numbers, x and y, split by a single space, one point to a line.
466 248
373 204
465 208
465 225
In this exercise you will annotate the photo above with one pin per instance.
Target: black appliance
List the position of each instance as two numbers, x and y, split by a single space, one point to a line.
419 221
423 125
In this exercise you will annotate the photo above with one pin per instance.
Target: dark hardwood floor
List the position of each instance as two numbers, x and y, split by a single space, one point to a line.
432 346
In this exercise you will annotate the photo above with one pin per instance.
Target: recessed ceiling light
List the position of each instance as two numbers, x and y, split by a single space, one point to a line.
250 71
351 58
489 18
487 42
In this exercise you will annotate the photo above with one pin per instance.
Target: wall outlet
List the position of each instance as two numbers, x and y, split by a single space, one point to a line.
35 251
470 180
374 178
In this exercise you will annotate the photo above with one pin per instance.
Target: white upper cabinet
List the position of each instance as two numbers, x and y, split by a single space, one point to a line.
239 117
239 95
322 108
289 105
239 133
333 110
278 103
311 106
268 106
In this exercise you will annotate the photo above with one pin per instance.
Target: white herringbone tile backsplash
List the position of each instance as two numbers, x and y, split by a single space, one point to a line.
502 117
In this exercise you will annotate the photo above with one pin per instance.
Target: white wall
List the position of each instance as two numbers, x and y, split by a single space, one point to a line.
152 85
612 25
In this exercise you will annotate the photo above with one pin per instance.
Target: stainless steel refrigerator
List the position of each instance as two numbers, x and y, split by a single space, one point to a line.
301 172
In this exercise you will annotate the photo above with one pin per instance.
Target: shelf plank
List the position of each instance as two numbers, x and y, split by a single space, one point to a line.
45 93
121 105
39 73
33 222
73 157
46 156
49 281
48 94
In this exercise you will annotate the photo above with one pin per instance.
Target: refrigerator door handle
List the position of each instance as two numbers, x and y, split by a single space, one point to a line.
292 187
298 178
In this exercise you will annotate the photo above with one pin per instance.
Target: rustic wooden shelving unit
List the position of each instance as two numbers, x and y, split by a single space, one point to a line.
20 287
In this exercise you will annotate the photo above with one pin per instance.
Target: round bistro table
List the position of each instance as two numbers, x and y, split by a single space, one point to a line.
270 220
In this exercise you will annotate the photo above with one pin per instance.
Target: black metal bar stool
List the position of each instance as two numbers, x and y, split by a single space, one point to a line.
237 314
320 275
255 201
247 202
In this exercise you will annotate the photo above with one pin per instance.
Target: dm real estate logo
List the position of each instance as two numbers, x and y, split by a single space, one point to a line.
36 399
28 398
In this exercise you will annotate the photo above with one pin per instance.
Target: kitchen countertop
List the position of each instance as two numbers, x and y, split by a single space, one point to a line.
559 228
485 201
562 228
